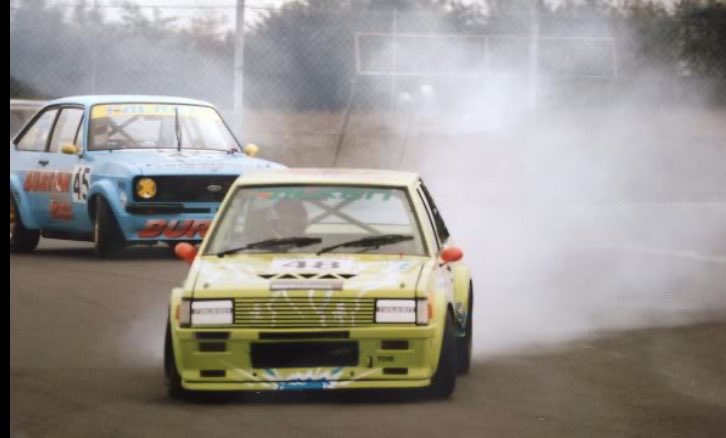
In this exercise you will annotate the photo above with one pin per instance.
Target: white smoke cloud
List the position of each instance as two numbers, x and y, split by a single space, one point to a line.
576 218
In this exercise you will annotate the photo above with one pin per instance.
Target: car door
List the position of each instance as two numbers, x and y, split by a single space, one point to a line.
31 163
67 204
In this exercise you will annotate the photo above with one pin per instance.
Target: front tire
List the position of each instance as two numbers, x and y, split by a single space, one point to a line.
108 240
463 349
174 387
443 382
22 239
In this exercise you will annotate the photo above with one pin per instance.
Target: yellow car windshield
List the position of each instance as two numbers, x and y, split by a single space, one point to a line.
370 220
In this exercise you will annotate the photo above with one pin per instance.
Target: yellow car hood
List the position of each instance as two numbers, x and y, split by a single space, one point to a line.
264 275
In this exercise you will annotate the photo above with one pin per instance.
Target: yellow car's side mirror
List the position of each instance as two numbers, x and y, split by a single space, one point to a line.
251 150
70 149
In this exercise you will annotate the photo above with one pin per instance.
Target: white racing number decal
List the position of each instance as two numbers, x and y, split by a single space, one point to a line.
81 183
311 265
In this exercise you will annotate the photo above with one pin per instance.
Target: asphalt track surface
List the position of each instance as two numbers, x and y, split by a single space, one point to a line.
86 348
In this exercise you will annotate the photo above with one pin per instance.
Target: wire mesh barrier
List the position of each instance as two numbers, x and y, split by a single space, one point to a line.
305 58
361 73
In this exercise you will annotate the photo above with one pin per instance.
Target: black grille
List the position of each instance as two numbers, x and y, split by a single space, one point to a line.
394 345
190 188
304 354
395 371
304 335
212 335
212 347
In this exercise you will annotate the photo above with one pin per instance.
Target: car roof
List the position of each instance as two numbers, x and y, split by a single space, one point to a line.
91 100
373 177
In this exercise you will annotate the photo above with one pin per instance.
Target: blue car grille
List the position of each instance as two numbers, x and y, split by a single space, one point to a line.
188 188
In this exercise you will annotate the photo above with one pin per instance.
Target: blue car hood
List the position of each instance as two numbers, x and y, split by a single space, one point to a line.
191 162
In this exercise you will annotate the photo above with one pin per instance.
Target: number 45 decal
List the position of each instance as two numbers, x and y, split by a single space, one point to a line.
80 183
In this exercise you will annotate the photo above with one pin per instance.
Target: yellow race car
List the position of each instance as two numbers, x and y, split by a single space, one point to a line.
321 279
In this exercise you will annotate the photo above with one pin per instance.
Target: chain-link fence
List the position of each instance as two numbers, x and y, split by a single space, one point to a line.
306 58
364 75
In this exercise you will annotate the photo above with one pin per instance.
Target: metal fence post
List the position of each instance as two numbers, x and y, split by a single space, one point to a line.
238 104
94 47
532 72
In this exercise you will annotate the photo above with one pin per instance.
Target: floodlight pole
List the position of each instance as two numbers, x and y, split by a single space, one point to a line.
533 72
94 46
238 101
394 53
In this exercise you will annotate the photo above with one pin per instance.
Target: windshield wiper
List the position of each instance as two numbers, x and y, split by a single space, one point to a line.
372 241
293 242
177 129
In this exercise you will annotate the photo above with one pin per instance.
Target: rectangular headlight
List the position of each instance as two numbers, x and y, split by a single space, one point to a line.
396 311
183 312
212 312
423 311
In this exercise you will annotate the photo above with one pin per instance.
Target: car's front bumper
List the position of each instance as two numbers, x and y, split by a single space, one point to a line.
385 357
171 221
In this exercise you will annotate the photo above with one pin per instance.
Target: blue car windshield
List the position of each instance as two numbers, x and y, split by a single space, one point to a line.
158 126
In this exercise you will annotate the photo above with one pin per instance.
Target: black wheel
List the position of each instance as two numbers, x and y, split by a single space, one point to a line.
444 380
108 240
171 374
22 240
463 348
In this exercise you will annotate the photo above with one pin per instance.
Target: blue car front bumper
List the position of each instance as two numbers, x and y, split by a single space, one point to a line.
158 222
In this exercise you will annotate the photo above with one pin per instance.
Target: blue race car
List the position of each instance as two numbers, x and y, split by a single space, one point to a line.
119 170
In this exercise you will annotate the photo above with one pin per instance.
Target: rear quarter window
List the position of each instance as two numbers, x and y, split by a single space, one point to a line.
35 138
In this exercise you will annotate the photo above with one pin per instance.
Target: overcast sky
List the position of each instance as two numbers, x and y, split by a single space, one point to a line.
255 9
182 9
